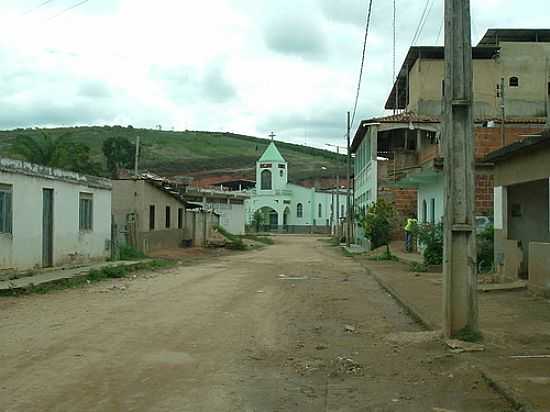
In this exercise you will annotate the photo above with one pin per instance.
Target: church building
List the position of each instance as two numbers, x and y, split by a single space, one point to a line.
287 207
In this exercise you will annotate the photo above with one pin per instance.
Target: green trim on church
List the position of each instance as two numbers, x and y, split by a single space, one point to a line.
272 154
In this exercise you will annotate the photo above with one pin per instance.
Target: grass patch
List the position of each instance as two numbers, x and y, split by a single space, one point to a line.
234 242
128 252
418 267
468 335
94 276
266 240
331 241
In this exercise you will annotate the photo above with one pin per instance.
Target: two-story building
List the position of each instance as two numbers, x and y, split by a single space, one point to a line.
400 156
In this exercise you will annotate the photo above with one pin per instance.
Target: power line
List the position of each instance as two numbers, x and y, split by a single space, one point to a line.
74 6
37 7
420 22
367 26
394 48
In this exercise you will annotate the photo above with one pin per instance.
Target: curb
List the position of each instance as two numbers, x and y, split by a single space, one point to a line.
519 404
409 307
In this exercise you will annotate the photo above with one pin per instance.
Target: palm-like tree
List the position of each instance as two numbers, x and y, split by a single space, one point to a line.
47 151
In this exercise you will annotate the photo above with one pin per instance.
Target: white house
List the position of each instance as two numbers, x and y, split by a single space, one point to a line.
51 217
289 207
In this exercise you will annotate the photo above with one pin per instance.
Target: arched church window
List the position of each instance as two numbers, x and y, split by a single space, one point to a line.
320 210
266 180
299 210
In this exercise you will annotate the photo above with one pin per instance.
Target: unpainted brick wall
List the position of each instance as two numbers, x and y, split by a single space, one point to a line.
484 194
405 201
489 139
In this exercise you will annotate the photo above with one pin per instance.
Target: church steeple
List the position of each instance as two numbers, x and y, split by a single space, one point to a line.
271 170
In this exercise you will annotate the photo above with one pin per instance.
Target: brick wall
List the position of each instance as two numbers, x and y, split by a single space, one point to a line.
404 201
484 193
489 139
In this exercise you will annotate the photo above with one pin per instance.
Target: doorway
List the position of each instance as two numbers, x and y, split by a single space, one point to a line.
47 227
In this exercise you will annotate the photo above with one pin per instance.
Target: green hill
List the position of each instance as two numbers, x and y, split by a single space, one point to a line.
173 153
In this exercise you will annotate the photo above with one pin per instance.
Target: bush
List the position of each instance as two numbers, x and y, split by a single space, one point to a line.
376 222
128 252
486 250
431 237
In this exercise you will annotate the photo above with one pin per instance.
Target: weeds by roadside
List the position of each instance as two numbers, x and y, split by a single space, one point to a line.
94 276
418 267
386 256
235 242
266 240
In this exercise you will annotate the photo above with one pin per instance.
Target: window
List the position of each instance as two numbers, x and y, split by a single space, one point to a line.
320 207
299 210
180 218
86 211
266 180
168 217
514 81
432 212
281 173
152 217
341 210
424 212
5 209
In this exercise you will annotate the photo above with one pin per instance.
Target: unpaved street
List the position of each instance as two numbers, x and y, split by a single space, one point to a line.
293 327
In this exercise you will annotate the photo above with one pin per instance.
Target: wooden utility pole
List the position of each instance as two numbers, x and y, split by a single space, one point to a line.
136 158
348 200
459 256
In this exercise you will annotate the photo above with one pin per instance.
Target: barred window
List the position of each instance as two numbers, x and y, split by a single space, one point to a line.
5 209
86 212
299 210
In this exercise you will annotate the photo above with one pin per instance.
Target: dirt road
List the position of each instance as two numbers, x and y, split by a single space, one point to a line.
292 327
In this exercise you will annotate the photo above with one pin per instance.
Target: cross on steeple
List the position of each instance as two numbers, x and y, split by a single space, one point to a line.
272 135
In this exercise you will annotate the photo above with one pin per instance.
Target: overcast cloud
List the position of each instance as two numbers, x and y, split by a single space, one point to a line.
245 66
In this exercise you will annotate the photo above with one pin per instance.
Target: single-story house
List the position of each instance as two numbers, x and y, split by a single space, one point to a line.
52 217
151 214
522 212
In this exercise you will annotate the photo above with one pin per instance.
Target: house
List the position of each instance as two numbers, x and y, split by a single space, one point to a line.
52 217
400 156
522 211
230 206
287 207
151 214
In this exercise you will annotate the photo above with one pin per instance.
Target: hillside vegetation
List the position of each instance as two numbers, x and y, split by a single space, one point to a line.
193 152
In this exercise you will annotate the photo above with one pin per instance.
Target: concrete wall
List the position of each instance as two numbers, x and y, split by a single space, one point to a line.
22 249
232 214
539 268
428 192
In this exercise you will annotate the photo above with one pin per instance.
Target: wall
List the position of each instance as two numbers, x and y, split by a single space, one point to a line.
539 268
484 182
232 214
425 83
488 140
23 249
434 190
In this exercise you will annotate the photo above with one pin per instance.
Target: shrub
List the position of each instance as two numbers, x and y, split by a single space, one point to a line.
485 250
376 222
431 237
128 252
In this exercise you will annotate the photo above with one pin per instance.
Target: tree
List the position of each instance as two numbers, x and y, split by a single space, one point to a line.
58 152
120 154
257 220
376 222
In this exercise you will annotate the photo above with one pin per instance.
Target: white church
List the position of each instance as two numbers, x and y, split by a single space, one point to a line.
286 207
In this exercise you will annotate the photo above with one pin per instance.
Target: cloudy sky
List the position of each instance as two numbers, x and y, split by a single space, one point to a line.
246 66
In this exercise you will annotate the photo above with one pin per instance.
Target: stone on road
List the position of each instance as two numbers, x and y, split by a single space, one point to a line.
230 335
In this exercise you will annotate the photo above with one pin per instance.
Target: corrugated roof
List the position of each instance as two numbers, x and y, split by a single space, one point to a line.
272 154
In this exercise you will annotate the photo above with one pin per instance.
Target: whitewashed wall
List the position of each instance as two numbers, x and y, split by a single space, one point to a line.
23 248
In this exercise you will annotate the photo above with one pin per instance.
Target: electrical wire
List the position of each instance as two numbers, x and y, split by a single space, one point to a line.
420 22
74 6
367 27
37 7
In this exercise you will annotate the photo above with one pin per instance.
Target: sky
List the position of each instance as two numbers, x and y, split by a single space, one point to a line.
242 66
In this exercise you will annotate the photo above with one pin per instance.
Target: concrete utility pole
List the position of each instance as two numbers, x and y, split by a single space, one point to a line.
348 199
460 307
502 114
136 158
337 192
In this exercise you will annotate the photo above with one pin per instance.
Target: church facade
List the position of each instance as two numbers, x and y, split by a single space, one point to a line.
287 207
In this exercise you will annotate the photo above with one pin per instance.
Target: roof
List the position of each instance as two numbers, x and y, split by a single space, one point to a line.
35 170
527 144
493 37
272 154
426 52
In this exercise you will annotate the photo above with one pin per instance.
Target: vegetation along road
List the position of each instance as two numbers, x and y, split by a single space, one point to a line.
296 326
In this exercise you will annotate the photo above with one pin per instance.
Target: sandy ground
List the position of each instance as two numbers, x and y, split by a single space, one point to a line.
292 327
